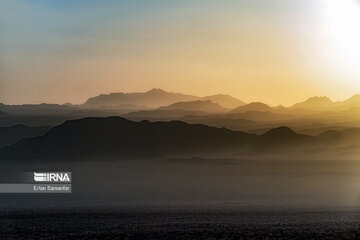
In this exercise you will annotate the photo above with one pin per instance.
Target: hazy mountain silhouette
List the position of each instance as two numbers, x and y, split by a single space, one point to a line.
352 102
235 124
162 114
153 98
303 117
315 103
115 136
259 116
282 139
10 135
156 98
36 109
331 136
254 106
285 134
344 137
197 106
226 101
216 119
353 99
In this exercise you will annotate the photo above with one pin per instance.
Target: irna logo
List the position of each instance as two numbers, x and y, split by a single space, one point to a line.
52 177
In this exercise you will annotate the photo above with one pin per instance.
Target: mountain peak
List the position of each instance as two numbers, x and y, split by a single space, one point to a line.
319 100
254 106
157 91
280 131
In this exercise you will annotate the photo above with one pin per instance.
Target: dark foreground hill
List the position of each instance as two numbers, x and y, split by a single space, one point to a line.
10 135
115 136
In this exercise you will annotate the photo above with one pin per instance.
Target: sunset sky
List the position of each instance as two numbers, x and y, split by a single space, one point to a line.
275 51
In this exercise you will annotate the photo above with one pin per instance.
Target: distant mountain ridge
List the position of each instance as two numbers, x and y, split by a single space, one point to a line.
315 103
325 103
156 98
33 109
152 99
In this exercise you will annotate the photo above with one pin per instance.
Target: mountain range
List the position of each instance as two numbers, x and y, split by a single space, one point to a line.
116 136
156 98
162 100
325 103
313 116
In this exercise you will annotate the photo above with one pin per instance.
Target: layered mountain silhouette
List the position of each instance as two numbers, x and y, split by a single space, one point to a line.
313 116
219 121
199 106
178 111
156 98
115 136
260 116
151 99
162 114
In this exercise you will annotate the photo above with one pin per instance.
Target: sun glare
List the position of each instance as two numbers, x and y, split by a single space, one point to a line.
343 20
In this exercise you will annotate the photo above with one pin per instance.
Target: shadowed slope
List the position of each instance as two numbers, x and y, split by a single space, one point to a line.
115 136
118 136
10 135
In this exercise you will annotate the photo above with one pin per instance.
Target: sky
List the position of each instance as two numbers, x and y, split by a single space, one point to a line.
274 51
